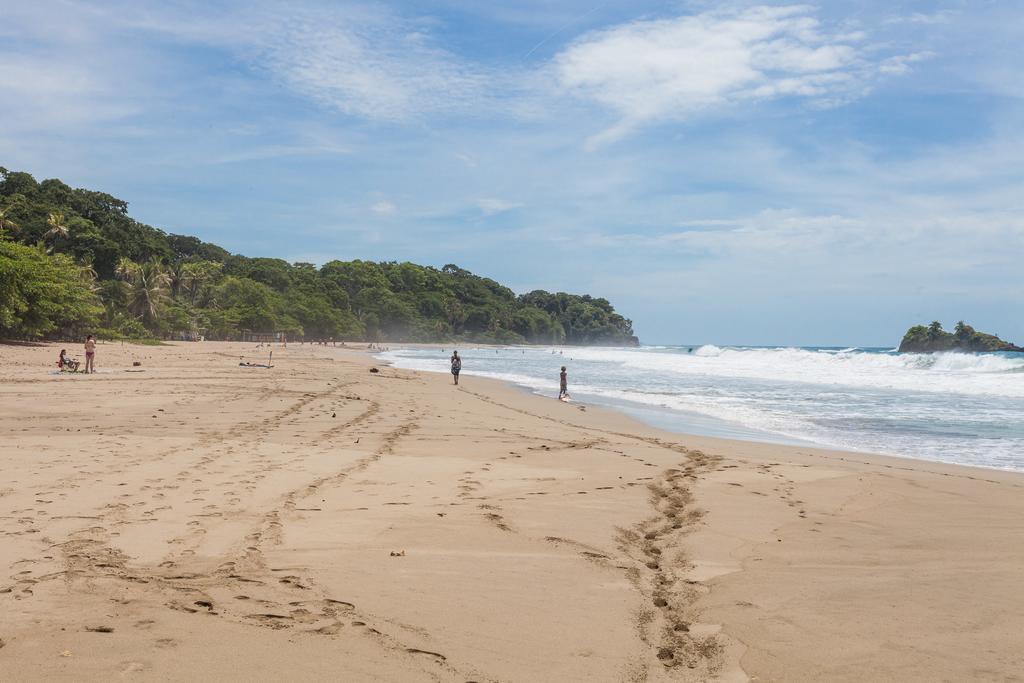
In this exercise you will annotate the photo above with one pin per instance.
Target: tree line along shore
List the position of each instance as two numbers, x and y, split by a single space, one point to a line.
73 261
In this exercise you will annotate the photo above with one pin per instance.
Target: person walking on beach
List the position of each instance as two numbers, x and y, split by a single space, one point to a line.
563 385
90 354
456 366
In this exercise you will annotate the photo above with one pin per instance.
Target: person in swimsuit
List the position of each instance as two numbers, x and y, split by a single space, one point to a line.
563 384
90 354
456 366
66 364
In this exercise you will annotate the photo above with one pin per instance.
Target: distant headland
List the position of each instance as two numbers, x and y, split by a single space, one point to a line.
932 338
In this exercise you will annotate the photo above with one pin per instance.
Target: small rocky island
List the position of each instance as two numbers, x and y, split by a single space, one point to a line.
932 338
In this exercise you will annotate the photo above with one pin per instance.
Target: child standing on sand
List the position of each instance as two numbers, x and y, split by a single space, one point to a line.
90 354
563 384
456 366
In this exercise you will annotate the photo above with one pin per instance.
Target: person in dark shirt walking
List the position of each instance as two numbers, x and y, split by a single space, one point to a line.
563 385
456 366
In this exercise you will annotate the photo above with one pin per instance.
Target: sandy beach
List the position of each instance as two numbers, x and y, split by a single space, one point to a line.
190 519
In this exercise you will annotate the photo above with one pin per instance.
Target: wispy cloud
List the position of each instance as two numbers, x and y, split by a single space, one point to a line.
490 207
900 64
52 91
384 208
374 65
939 17
657 70
363 60
390 129
260 153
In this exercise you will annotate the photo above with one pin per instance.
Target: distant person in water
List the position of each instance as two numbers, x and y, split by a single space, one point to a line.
90 354
456 366
563 384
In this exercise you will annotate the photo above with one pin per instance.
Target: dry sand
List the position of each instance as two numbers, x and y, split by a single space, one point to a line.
317 521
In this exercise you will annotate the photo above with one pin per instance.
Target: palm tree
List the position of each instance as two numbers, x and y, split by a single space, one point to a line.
125 268
5 220
934 330
963 330
147 290
177 273
454 313
58 229
196 275
88 274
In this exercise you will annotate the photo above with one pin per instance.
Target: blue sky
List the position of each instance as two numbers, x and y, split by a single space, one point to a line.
726 172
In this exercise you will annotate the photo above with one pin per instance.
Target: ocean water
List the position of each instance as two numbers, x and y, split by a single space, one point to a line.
948 407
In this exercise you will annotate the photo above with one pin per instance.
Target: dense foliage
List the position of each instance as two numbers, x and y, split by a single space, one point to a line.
83 263
43 294
925 339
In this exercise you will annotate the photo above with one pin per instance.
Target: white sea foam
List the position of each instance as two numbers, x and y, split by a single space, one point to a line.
953 407
972 374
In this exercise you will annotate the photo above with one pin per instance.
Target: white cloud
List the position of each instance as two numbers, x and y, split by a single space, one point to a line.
377 66
260 153
900 64
384 208
490 207
366 61
375 63
940 17
913 243
46 92
669 69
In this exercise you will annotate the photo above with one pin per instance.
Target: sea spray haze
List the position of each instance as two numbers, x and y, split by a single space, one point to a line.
949 407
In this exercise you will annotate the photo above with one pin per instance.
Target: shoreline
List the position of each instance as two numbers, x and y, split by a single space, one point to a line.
783 440
229 522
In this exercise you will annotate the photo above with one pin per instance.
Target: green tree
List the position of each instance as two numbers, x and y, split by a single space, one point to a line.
7 224
197 275
125 268
207 286
88 275
58 228
147 291
963 331
42 293
455 314
248 304
176 278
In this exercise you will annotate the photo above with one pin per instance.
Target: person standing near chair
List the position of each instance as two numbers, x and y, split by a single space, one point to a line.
90 354
456 366
563 384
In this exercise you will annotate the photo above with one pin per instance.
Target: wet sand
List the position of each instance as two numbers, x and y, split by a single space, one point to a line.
316 521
